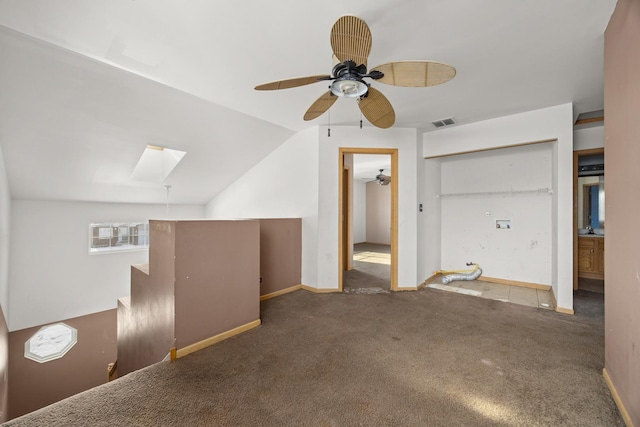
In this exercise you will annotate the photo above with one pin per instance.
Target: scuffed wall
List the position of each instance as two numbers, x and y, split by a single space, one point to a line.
622 186
480 189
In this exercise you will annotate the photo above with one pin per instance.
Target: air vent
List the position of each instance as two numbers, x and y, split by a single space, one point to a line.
444 122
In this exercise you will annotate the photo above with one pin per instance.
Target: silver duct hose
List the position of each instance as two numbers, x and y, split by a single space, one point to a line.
472 275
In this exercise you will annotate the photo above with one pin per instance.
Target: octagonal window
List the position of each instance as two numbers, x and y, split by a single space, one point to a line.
50 342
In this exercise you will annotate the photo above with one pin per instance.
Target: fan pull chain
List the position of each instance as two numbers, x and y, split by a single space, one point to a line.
329 124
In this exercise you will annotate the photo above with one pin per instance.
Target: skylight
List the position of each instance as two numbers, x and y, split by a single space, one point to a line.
156 163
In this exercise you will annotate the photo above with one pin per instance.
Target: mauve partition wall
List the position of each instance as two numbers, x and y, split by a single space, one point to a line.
146 318
217 284
280 254
4 367
203 279
622 187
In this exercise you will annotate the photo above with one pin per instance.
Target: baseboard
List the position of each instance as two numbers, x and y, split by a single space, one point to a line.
586 275
553 300
410 288
280 292
515 283
559 309
296 288
215 339
616 398
565 310
318 291
429 280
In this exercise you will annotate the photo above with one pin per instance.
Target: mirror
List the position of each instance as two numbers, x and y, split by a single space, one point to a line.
591 202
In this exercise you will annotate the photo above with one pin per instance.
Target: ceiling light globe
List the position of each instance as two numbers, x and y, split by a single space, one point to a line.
349 88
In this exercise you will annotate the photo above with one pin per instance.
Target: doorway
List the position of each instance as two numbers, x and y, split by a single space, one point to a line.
589 220
366 256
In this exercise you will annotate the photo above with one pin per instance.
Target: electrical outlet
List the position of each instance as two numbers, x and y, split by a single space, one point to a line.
503 224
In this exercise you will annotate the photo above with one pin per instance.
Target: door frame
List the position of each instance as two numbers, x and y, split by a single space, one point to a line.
576 155
347 261
343 210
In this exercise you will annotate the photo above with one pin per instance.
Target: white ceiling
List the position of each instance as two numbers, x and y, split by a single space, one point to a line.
86 85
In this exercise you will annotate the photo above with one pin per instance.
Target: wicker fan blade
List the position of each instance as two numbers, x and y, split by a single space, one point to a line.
377 109
415 73
351 39
286 84
321 105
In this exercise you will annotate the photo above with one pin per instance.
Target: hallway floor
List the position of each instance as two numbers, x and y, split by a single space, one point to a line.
371 269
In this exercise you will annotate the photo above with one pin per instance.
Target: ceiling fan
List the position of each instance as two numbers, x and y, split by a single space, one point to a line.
351 43
381 178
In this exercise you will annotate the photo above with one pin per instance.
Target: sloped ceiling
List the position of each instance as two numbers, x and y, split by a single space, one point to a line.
85 86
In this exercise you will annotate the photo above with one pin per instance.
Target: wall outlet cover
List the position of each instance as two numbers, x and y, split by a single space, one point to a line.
503 224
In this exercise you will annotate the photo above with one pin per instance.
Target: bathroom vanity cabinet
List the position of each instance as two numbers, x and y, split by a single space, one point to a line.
591 257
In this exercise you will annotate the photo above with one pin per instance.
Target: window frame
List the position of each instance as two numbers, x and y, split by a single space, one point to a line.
115 237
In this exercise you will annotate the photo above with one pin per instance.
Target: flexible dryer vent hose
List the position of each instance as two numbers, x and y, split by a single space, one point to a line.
463 275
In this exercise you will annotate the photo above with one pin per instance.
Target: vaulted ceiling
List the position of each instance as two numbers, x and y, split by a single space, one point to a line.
86 86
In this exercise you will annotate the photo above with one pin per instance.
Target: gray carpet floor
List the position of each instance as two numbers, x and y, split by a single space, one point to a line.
426 358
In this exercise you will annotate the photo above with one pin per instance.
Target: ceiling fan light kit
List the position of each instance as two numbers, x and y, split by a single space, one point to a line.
349 88
351 43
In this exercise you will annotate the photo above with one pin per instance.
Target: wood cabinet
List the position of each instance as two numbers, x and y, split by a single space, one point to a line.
591 257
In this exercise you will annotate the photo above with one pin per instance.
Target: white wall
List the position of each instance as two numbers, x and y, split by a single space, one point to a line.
406 140
283 185
475 193
359 211
378 213
5 215
588 138
553 123
52 275
430 219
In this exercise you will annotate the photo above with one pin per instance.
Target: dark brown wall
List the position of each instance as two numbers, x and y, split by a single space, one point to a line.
34 385
217 278
622 189
280 254
4 368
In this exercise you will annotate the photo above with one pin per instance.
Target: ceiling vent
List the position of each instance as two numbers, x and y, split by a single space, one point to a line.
444 122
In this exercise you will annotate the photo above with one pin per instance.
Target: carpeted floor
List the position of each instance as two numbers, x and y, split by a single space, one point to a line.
427 358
